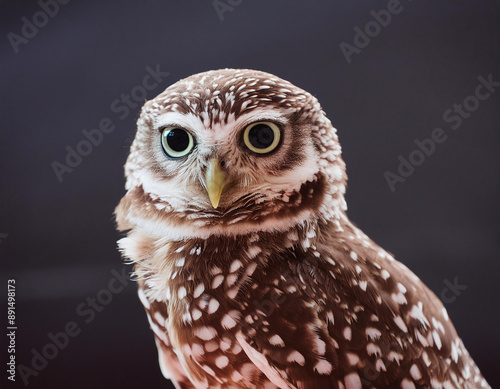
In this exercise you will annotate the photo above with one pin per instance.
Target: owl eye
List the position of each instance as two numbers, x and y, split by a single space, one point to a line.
262 137
176 142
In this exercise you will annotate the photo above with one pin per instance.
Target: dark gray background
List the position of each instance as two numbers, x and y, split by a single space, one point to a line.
442 222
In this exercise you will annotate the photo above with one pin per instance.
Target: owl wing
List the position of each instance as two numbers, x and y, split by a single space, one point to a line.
169 363
284 337
312 329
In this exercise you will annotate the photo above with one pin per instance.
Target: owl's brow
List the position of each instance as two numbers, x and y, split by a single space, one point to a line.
170 125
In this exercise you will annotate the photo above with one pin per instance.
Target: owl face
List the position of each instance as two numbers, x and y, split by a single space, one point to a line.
233 147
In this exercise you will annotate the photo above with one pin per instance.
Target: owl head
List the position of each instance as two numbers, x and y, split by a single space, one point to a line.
230 152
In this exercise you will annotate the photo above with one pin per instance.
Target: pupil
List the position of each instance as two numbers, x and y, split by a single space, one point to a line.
261 136
178 140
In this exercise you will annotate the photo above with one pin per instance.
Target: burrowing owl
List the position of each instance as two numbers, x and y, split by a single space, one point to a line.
250 271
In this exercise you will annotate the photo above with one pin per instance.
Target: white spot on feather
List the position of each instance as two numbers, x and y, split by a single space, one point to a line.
217 281
253 251
437 339
228 322
180 262
352 358
297 357
400 323
205 333
407 384
196 313
276 340
417 313
399 298
199 290
352 381
372 333
415 372
373 349
221 361
235 265
143 298
213 305
323 367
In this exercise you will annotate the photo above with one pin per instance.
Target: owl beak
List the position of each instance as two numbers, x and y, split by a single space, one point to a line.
215 180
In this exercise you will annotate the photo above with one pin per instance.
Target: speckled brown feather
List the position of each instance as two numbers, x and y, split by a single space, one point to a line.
277 288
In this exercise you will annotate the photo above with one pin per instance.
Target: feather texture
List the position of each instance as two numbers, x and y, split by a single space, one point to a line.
276 288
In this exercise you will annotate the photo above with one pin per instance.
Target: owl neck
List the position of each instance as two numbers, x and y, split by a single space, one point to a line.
175 268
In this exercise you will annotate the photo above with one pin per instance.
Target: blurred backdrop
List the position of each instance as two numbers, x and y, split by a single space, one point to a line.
388 73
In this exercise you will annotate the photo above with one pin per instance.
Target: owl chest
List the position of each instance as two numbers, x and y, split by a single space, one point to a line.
203 322
213 308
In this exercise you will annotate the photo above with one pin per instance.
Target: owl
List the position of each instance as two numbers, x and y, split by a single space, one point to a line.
250 271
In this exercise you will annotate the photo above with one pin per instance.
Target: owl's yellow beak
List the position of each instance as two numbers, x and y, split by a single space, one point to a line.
215 180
